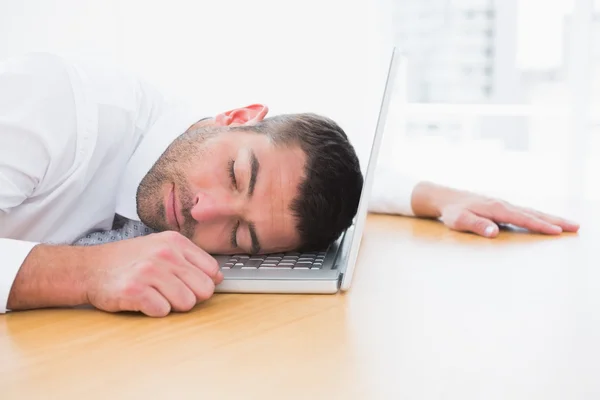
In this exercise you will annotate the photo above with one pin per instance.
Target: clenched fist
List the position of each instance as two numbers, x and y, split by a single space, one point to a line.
154 274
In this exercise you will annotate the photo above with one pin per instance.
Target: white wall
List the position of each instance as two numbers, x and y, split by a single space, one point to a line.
310 55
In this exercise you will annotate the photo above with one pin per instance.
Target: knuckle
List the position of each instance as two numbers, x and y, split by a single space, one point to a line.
213 265
164 252
146 268
206 292
463 218
497 206
188 303
148 305
157 310
184 301
172 237
132 289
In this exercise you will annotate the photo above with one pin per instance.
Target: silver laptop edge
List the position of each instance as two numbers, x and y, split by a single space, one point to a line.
339 262
356 231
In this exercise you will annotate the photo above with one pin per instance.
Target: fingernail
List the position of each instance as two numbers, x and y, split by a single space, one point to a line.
489 231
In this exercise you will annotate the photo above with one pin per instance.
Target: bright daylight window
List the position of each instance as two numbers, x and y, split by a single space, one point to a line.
501 95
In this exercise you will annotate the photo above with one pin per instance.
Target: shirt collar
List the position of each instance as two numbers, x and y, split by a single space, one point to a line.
170 125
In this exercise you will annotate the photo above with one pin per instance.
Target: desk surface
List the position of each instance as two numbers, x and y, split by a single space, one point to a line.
432 314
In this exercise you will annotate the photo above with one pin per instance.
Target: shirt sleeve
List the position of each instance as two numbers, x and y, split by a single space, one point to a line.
392 192
14 252
36 118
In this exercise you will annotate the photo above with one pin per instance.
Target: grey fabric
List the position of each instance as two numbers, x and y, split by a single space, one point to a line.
123 228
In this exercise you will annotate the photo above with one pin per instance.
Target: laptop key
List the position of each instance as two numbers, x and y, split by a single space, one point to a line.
267 265
284 264
316 267
253 263
300 267
267 268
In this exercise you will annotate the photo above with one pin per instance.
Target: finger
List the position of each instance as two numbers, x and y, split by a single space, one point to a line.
520 218
151 303
566 225
180 297
185 248
204 261
196 280
467 221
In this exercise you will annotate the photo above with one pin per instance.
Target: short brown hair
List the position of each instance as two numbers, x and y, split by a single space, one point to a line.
330 193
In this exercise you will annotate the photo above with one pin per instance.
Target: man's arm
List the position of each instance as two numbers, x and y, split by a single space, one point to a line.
458 209
37 119
49 276
154 274
392 192
13 253
470 212
37 113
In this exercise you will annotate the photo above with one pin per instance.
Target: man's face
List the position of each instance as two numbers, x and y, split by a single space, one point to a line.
229 192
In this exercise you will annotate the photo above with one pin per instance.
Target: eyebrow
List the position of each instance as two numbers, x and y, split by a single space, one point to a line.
255 242
254 166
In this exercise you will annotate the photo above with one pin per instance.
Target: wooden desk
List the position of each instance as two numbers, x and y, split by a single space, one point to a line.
432 314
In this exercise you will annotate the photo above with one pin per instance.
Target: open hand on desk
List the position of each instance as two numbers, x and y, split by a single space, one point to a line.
154 274
470 212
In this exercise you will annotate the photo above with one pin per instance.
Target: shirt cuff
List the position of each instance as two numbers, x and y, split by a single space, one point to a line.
14 253
392 192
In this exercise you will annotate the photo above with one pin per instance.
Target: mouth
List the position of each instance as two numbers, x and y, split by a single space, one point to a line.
171 210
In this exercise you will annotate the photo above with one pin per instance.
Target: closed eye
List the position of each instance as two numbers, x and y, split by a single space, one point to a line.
231 172
233 238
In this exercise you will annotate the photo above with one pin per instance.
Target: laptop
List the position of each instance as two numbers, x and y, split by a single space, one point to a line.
327 271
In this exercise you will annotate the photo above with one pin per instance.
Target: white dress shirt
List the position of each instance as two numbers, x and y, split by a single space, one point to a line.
75 142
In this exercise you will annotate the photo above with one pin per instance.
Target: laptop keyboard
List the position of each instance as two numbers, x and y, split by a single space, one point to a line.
300 261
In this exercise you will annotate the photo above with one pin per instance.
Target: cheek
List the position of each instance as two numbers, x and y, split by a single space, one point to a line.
203 173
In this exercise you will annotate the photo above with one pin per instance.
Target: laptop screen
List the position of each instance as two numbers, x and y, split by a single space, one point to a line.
363 207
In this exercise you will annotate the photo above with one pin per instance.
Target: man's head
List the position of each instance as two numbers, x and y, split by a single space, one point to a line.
245 183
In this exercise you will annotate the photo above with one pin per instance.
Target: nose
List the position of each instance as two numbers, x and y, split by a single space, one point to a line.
208 208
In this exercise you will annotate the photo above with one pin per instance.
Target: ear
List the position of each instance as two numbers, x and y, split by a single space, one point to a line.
249 115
